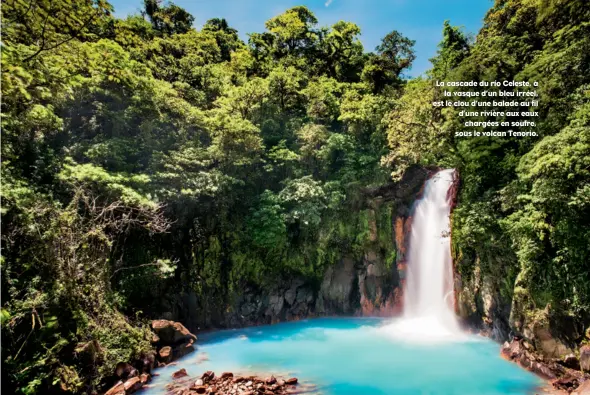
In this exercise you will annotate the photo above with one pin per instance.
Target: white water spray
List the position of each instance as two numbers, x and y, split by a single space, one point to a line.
428 294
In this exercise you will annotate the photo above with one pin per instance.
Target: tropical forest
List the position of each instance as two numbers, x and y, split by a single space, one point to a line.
165 186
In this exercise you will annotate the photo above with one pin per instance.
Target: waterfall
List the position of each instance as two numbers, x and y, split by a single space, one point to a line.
428 294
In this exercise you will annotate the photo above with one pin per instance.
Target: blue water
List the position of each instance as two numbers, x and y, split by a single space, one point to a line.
346 356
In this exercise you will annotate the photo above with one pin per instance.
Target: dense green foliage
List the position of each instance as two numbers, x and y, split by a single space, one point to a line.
143 157
523 216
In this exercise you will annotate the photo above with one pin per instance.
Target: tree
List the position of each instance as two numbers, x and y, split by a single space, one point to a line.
292 31
453 48
394 54
169 19
45 25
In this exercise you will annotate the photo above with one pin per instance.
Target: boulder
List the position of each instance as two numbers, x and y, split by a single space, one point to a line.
117 389
132 385
123 370
181 350
170 332
547 343
165 354
291 381
566 383
585 358
207 376
148 362
226 375
179 373
200 389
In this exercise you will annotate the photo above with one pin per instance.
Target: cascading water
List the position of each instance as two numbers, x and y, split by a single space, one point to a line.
428 294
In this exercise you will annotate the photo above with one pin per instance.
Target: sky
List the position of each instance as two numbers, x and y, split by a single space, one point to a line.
419 20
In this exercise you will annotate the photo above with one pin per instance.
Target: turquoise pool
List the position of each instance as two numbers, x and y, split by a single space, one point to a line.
346 356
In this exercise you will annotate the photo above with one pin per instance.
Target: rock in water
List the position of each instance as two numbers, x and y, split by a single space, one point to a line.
291 381
208 376
132 385
171 332
117 389
165 354
180 373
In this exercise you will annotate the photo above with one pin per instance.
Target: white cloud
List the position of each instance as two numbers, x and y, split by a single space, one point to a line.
328 2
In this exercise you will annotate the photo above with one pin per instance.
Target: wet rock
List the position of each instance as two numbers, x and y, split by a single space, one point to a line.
171 332
566 383
516 351
165 354
226 375
147 362
291 381
123 370
132 385
199 389
144 378
585 358
181 350
208 376
179 373
270 380
117 389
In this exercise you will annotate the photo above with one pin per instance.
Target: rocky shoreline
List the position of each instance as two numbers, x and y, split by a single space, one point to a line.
172 340
229 384
569 375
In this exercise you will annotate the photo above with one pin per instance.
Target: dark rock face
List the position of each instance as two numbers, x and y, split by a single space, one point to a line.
336 294
378 286
349 287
